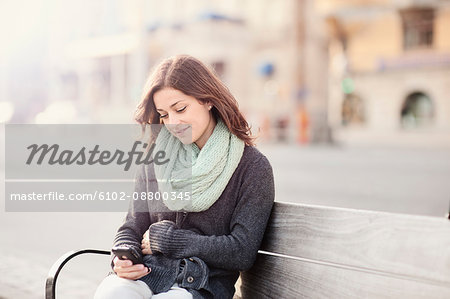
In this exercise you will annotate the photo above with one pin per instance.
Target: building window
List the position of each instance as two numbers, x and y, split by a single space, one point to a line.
417 111
352 110
417 28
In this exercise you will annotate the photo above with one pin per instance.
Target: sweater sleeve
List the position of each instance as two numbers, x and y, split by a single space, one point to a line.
237 250
137 219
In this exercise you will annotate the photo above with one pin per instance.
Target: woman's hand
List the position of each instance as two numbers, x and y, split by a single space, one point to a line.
145 244
126 269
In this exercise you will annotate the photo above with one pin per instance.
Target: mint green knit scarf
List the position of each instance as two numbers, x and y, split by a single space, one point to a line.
203 173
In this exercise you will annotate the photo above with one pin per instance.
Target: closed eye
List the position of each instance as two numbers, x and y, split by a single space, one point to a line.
179 110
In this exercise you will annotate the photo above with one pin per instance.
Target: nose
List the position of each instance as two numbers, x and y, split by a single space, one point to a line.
173 119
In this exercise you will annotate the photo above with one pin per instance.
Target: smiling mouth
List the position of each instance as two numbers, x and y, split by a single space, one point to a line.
180 131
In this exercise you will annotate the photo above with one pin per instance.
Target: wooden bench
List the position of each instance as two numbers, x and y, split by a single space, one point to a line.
323 252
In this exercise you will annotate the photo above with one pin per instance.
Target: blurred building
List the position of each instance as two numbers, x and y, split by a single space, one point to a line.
389 69
91 59
374 70
259 48
99 54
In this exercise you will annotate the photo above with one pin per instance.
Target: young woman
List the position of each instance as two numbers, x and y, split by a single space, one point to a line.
193 248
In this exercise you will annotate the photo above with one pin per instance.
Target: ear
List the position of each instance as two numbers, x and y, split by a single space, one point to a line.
207 104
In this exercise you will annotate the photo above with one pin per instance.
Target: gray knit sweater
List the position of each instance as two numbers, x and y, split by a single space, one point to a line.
204 252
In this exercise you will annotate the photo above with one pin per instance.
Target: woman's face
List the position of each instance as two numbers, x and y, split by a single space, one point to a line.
184 116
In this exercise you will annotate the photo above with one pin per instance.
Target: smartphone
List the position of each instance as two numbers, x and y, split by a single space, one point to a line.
127 253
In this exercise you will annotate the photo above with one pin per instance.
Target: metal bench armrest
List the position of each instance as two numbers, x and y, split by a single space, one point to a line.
50 284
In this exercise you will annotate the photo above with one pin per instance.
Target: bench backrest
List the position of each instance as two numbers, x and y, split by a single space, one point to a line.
324 252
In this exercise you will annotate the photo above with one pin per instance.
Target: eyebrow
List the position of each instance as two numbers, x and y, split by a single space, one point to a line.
170 105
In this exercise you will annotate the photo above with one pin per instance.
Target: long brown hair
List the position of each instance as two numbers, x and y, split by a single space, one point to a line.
190 76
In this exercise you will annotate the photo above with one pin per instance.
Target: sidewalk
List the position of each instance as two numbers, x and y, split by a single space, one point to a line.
25 278
411 139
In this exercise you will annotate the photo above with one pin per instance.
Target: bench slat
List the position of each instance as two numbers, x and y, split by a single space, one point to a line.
276 277
409 245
